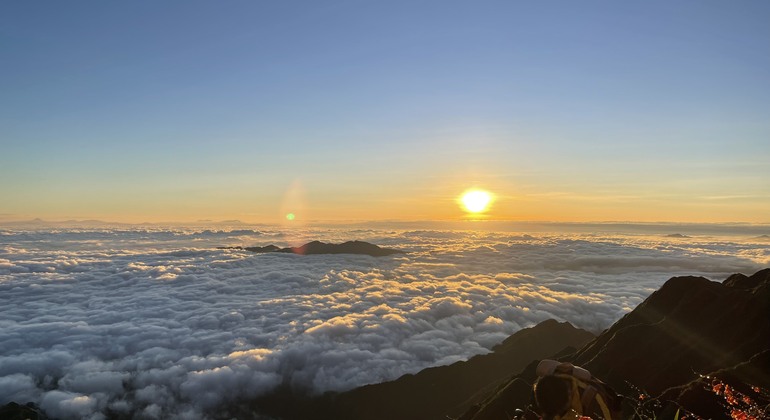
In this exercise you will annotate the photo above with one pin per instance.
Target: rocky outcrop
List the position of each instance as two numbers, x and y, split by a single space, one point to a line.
14 411
435 393
448 391
318 247
690 326
689 332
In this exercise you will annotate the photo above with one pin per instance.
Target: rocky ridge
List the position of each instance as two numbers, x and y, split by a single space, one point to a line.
686 335
318 247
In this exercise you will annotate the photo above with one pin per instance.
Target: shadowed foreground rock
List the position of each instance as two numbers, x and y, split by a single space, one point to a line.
433 393
690 327
14 411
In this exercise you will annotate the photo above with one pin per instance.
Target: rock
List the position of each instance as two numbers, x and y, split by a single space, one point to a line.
691 326
14 411
317 247
438 392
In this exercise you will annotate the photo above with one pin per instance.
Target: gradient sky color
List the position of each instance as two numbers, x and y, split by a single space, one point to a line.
362 110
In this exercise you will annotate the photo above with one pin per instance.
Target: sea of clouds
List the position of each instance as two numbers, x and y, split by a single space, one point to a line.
158 323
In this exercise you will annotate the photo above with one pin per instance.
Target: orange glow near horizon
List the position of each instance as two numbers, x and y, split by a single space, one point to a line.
442 201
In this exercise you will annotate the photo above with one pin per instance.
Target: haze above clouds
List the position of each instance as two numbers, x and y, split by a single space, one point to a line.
162 324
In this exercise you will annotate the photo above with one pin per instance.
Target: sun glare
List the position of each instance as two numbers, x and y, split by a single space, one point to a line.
476 201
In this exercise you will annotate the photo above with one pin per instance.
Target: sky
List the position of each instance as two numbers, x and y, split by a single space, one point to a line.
150 111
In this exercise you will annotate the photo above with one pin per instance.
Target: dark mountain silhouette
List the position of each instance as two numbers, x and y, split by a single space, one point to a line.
350 247
433 393
438 392
690 327
263 249
317 247
14 411
676 235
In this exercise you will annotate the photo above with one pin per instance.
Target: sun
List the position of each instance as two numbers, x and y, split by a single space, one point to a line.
476 201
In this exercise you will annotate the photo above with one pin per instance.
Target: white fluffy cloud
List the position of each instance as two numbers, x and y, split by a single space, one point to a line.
161 324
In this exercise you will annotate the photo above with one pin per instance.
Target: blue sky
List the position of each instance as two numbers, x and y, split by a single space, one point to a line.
385 110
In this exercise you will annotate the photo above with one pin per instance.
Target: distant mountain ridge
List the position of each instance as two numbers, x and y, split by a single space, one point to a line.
318 247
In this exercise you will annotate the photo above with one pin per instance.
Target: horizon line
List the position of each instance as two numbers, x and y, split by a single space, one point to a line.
38 220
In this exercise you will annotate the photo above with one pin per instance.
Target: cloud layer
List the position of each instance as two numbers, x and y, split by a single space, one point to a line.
161 324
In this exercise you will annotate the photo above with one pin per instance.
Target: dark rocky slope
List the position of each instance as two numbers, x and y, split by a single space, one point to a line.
439 392
14 411
433 393
690 327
